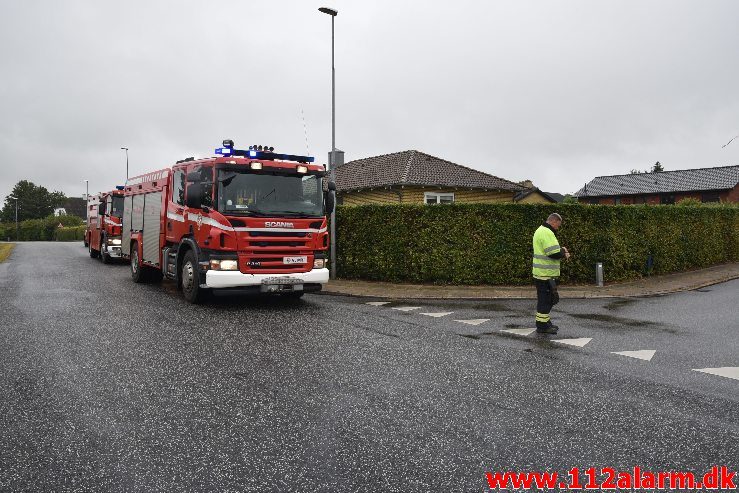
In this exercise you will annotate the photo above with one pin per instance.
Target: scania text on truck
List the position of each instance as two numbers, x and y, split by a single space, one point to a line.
250 220
103 232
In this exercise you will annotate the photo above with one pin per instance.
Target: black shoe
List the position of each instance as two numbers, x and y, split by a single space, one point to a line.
547 328
555 327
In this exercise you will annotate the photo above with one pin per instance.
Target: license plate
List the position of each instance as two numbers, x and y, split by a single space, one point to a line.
281 281
294 260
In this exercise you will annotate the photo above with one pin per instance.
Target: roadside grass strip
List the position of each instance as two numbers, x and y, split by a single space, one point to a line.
437 314
377 303
645 354
5 249
406 308
726 371
475 321
578 342
519 332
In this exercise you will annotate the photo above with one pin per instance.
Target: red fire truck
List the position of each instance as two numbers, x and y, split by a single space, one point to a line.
250 220
103 233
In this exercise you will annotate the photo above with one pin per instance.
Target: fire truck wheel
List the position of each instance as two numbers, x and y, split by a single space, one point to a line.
139 273
93 253
190 283
294 296
104 257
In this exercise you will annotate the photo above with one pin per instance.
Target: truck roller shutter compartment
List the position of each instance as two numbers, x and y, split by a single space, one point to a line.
126 231
152 216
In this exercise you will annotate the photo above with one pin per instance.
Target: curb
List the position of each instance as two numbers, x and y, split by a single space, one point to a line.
636 293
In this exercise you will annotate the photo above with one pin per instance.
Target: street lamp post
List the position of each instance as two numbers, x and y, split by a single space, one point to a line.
126 149
87 191
332 171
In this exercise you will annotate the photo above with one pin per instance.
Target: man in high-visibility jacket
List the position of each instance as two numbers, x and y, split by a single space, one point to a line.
545 268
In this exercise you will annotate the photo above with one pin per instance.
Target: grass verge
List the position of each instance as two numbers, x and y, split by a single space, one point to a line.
5 249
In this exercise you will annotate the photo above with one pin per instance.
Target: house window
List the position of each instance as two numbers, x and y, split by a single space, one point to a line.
617 201
438 198
710 197
668 198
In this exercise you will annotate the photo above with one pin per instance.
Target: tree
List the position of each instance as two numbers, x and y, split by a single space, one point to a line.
657 168
569 199
34 202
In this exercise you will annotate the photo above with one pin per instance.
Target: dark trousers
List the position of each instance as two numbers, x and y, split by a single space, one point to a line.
544 301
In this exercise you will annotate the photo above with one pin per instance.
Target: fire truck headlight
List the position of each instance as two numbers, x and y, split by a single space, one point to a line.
319 263
256 165
114 241
219 264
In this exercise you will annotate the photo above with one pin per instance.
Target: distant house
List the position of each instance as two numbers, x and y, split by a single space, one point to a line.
413 177
532 195
720 184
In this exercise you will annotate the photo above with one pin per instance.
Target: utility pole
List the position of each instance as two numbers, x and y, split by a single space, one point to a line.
332 167
126 149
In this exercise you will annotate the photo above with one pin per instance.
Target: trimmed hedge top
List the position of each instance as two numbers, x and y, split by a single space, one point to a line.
491 243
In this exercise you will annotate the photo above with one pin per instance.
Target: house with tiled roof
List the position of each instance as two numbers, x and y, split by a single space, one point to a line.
720 184
414 177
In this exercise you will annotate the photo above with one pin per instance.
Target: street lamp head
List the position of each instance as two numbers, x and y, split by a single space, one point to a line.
124 148
329 11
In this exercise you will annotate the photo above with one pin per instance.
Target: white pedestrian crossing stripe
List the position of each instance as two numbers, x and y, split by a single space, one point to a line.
437 314
726 371
476 321
579 342
519 332
378 303
406 308
645 354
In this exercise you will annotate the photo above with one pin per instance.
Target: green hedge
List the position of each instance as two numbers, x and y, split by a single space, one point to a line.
491 243
38 229
74 233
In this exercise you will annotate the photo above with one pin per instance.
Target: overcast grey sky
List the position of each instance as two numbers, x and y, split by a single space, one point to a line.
553 91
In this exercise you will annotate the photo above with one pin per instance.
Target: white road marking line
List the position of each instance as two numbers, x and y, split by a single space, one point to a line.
519 332
476 321
726 371
406 308
377 303
645 354
579 342
437 314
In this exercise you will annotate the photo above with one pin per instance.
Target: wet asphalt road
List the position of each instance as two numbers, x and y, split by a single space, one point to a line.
111 386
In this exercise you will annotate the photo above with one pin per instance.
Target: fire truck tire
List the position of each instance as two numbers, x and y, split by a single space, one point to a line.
294 296
104 257
189 279
139 273
93 252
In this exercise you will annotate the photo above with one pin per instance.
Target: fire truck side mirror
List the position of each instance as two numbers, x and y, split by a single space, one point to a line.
194 195
101 208
330 202
332 186
193 177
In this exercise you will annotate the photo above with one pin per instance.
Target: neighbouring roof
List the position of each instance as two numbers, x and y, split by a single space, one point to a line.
552 197
414 168
687 180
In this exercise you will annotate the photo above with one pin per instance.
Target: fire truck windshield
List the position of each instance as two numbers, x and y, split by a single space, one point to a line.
243 193
116 208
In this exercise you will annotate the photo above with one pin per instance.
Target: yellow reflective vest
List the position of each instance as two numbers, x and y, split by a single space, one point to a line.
545 244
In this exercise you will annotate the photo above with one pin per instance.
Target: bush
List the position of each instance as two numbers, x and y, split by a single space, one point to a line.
38 229
491 243
74 233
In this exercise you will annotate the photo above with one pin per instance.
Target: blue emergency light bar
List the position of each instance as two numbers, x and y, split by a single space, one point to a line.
265 155
119 187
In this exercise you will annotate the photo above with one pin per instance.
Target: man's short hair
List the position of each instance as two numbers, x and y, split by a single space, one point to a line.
554 217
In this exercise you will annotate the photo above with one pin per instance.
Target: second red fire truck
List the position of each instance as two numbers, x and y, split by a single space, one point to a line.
103 232
251 220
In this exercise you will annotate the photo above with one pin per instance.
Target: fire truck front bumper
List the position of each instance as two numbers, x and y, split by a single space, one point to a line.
267 283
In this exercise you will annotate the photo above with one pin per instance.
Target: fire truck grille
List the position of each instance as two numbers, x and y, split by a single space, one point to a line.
277 234
257 262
